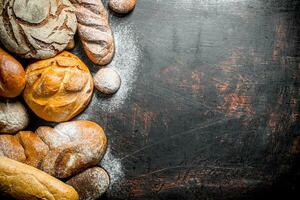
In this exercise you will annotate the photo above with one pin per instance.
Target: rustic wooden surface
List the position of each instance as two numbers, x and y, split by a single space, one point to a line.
214 112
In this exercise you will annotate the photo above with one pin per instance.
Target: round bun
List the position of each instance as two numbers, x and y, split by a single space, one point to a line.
107 81
12 76
59 88
13 116
122 6
37 29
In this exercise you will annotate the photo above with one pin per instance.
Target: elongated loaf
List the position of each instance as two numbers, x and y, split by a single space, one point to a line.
94 30
22 181
62 151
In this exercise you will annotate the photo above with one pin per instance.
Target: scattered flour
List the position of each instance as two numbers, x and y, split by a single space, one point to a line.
126 62
113 166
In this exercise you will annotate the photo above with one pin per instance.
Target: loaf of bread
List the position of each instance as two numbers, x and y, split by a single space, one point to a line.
59 88
12 75
13 116
90 184
94 30
37 28
24 182
122 6
62 151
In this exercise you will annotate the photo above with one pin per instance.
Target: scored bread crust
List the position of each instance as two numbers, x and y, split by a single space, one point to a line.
59 88
37 29
94 30
22 181
62 151
12 76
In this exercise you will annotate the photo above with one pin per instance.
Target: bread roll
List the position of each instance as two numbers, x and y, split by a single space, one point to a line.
62 151
13 116
90 184
59 88
122 6
12 76
94 30
37 28
107 81
24 182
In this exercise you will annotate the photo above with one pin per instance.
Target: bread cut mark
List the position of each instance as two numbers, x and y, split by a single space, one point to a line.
65 26
8 26
25 40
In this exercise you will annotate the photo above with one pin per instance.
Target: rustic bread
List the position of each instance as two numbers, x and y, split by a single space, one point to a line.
122 6
90 184
37 28
94 30
12 76
24 182
13 116
59 88
62 151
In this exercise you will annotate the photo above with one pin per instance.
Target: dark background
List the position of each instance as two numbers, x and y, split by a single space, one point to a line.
214 110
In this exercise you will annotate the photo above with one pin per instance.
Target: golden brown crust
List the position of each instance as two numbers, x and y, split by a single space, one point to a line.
62 151
94 30
12 75
122 6
59 88
24 182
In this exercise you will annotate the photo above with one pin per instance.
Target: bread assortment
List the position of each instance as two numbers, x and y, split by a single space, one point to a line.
37 28
13 116
24 182
62 151
94 30
59 88
122 6
12 76
90 184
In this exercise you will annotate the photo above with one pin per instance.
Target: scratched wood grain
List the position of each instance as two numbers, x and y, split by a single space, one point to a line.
214 112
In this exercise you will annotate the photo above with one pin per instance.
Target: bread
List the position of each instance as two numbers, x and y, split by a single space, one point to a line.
12 76
71 45
90 184
37 28
62 151
13 116
122 6
107 81
94 30
59 88
24 182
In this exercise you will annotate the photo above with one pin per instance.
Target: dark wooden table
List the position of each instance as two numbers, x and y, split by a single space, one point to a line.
210 105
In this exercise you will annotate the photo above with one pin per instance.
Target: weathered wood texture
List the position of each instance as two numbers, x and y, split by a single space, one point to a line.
214 112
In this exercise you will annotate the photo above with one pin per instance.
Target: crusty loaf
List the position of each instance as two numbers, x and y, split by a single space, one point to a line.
59 88
12 76
62 151
122 6
22 181
94 30
37 28
90 184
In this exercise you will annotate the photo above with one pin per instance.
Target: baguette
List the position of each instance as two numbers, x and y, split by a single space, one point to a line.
22 181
